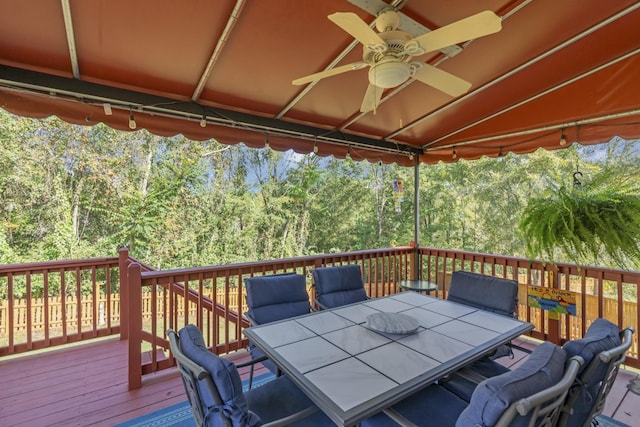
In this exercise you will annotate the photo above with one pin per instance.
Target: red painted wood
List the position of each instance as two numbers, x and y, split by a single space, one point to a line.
85 385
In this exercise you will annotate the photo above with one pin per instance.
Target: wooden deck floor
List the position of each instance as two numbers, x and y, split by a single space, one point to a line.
87 386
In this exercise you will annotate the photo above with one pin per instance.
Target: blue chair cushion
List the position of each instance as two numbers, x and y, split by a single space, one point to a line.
226 378
339 285
279 398
433 406
601 336
486 292
277 297
492 397
464 387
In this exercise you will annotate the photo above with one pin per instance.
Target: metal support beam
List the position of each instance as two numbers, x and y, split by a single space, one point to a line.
92 93
416 215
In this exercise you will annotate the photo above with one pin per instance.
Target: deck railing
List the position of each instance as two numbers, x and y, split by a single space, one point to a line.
612 294
193 296
107 296
45 304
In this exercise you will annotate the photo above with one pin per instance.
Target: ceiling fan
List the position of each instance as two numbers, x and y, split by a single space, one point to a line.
389 52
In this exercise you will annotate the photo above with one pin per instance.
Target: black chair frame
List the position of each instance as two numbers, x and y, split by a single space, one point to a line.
613 358
192 374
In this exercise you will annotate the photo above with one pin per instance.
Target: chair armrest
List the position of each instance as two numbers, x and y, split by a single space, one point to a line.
519 347
251 362
293 417
614 353
546 400
395 416
320 305
470 375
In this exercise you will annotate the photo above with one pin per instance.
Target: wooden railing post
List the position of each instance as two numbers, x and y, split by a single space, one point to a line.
123 257
135 325
553 317
416 262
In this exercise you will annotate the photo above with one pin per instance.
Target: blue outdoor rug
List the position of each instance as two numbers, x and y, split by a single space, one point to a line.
179 414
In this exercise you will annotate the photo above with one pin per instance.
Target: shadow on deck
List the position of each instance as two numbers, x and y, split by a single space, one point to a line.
86 385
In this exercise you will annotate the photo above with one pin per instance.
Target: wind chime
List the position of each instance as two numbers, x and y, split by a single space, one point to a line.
398 195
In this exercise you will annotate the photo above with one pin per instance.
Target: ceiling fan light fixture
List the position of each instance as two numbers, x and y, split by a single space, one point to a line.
389 74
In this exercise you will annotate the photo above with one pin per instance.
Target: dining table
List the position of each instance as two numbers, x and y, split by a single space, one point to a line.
356 360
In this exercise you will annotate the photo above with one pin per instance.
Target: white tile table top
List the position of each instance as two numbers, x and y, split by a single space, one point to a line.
489 321
389 305
277 334
357 313
310 354
356 339
325 321
350 382
396 362
350 371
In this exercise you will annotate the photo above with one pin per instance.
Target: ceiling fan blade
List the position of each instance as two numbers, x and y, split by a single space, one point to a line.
371 98
442 80
474 26
352 24
328 73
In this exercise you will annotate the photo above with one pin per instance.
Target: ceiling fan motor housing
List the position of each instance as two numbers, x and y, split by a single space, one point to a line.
390 67
389 73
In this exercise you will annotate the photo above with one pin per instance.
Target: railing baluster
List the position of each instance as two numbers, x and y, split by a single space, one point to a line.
29 311
171 299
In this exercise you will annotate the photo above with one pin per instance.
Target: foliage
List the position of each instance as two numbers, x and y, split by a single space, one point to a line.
71 191
598 220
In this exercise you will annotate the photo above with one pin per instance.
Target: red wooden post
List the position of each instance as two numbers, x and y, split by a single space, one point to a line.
416 264
135 326
123 256
553 317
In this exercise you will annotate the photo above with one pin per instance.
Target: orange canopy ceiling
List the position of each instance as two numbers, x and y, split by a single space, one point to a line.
570 66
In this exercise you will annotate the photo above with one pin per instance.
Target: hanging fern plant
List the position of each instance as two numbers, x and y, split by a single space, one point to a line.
589 223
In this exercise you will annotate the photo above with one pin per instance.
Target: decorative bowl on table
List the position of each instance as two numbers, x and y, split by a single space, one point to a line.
391 323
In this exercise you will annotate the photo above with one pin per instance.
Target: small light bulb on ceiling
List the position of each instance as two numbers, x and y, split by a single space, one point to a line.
203 122
410 156
454 155
132 121
266 143
563 139
315 147
348 155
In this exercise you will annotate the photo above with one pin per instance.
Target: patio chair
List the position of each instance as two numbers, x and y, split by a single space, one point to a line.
603 348
271 298
214 390
531 395
338 285
488 293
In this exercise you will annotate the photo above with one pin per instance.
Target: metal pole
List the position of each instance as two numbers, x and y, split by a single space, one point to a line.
416 214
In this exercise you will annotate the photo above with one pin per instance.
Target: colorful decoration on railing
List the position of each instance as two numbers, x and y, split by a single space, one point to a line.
398 195
553 300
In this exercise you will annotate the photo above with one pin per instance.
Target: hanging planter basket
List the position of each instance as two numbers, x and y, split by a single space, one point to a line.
587 224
